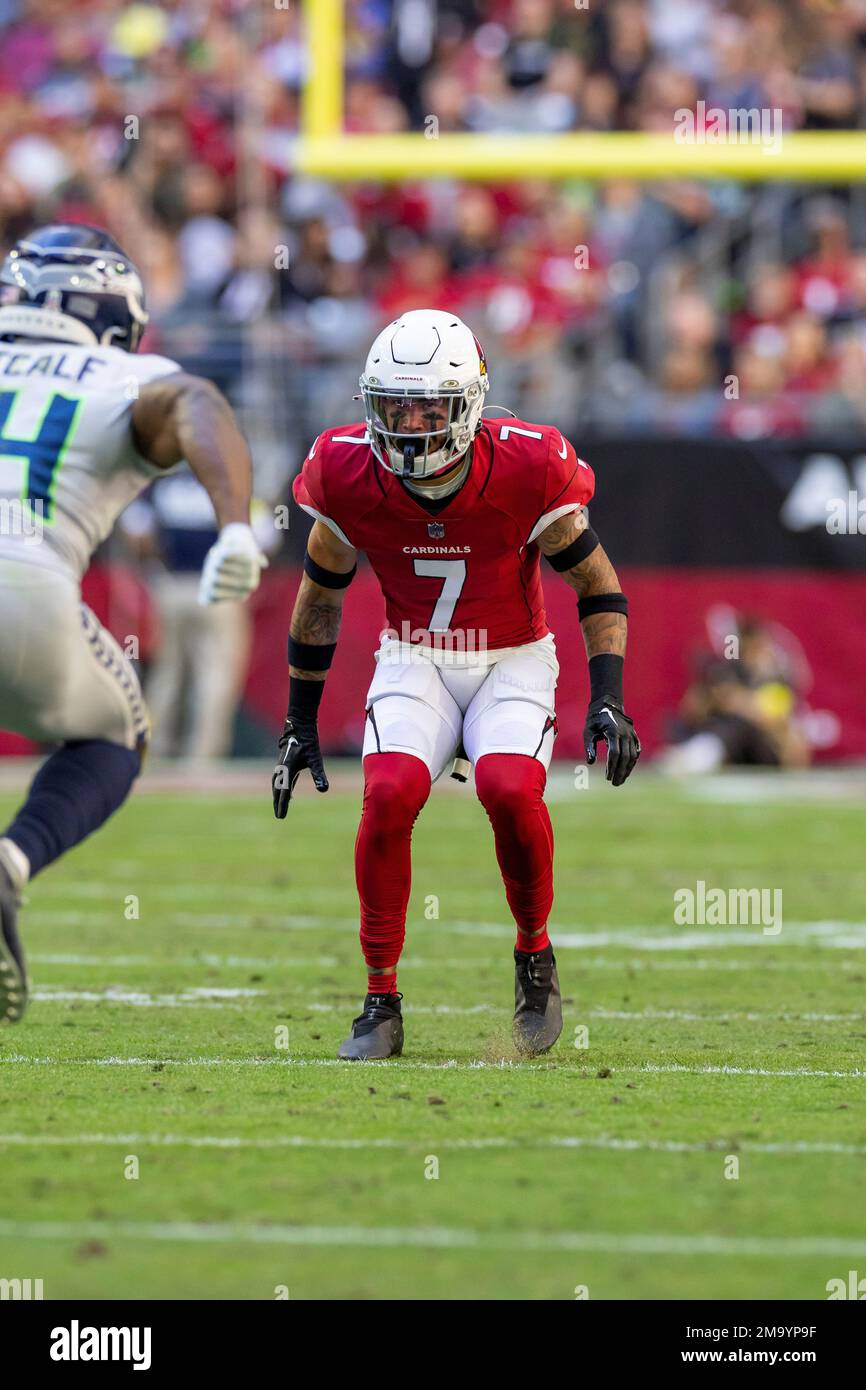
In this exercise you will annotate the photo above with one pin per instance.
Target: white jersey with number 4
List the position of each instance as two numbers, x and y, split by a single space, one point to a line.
68 462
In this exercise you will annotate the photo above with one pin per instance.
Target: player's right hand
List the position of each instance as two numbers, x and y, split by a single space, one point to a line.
232 567
299 748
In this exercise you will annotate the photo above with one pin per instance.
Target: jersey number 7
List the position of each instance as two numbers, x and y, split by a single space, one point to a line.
454 574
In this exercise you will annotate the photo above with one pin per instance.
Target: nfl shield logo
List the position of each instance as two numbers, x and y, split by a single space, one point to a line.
436 529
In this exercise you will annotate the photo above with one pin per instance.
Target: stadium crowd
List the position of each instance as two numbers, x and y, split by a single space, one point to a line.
675 307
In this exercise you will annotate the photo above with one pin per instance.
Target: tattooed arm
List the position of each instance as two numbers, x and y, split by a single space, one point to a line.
602 632
593 577
318 610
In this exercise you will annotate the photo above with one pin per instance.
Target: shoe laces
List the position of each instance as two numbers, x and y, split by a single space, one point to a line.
536 976
375 1013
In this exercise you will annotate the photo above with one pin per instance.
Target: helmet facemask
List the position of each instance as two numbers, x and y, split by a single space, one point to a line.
455 417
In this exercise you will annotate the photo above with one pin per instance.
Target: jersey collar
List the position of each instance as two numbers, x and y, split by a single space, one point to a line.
450 508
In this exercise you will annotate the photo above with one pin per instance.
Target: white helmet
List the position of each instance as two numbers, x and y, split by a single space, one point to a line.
427 355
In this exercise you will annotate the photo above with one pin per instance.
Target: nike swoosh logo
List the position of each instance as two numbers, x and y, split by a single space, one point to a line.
292 743
315 443
604 710
564 450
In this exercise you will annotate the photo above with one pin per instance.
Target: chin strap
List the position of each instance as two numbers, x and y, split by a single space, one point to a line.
435 492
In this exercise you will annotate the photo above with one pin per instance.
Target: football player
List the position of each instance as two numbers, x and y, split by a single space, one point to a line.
453 512
85 425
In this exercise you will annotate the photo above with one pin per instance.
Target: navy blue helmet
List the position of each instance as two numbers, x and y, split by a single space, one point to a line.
72 284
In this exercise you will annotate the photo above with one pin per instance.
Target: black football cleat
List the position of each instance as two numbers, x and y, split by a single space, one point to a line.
377 1033
13 972
537 1002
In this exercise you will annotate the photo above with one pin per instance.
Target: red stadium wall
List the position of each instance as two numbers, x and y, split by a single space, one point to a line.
826 612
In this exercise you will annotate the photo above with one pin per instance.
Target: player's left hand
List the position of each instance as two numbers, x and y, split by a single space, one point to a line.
607 722
232 567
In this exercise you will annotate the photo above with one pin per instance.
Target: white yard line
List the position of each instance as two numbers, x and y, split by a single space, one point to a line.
214 998
139 999
740 1016
440 1238
843 935
401 1064
410 962
196 997
576 936
719 963
168 962
168 1001
303 1141
651 1067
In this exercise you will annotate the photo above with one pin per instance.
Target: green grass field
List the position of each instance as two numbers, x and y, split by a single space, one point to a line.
153 1037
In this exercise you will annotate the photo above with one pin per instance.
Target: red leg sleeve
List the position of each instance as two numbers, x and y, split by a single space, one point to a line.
396 785
510 787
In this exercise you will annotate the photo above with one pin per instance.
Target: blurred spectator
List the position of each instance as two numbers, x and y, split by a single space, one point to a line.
772 298
685 401
741 708
761 406
842 410
806 364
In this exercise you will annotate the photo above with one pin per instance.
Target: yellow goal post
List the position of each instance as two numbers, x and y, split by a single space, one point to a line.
324 149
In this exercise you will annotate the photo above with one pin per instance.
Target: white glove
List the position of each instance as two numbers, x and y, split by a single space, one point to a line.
232 566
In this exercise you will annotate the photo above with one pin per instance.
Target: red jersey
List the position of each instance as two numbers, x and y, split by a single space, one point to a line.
472 567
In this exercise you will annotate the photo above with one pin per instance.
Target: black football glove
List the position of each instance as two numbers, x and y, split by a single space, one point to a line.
299 748
607 721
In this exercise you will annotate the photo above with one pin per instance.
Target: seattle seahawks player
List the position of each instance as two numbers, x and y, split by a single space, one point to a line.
85 425
453 512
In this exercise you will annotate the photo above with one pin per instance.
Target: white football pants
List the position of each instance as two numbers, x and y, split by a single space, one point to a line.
62 675
502 703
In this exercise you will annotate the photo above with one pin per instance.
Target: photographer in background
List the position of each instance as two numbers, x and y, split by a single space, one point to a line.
740 711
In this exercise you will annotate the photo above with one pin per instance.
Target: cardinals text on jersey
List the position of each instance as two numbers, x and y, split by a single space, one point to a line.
471 566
